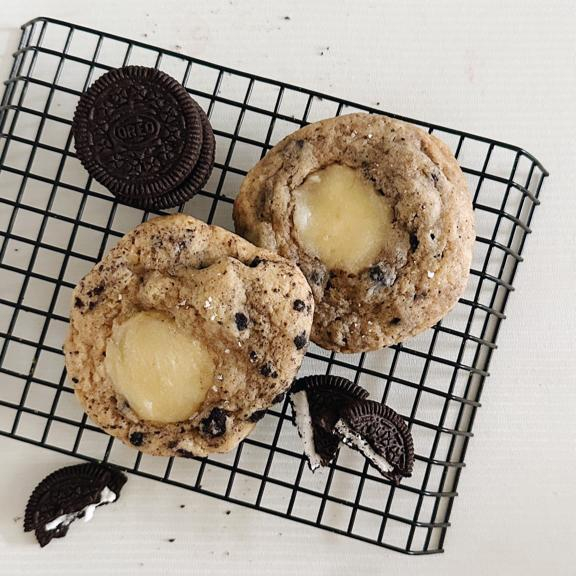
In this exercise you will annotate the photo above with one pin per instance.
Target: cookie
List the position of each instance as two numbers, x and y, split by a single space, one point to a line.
182 334
317 403
67 494
377 215
137 131
193 183
381 435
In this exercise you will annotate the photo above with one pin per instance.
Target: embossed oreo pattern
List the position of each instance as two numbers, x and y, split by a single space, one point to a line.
138 132
385 431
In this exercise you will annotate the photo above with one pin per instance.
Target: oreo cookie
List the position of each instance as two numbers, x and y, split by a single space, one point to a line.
317 403
67 494
140 134
381 435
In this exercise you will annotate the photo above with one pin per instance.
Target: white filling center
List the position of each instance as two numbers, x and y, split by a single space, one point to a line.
106 497
341 219
352 439
162 372
304 425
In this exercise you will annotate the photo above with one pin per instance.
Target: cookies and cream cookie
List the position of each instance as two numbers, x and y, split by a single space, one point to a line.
377 215
184 334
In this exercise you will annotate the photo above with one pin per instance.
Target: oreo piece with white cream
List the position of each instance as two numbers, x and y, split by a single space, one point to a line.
67 494
381 435
317 403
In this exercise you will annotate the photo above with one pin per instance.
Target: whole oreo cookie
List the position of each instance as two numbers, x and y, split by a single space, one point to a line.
381 435
140 134
317 403
67 494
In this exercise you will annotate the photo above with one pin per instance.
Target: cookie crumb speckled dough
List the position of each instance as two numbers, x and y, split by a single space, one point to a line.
377 215
184 334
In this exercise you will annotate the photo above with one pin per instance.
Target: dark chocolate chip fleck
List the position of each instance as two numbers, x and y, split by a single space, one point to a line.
383 276
257 416
255 262
279 398
414 242
376 274
299 305
96 291
432 236
266 369
78 303
253 356
136 438
300 341
395 321
241 321
75 380
91 306
185 453
434 177
215 424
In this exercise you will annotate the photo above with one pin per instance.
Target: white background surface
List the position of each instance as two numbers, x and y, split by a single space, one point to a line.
504 69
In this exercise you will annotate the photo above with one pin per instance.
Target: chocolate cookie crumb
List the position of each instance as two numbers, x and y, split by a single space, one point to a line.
136 438
215 424
300 341
298 305
255 262
241 321
257 416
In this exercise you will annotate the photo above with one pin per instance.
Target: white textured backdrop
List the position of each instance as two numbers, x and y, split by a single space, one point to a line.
504 69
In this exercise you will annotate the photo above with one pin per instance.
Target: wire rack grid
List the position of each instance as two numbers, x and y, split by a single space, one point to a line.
56 222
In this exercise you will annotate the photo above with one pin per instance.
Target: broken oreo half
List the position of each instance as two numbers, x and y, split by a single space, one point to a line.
317 403
67 494
381 435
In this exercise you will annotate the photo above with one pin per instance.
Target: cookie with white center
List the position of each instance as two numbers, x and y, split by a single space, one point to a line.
184 334
376 213
317 403
68 494
381 435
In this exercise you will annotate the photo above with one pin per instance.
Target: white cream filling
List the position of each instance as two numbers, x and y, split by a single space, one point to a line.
106 497
354 440
303 419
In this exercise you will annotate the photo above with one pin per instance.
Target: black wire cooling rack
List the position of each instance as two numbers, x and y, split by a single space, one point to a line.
56 222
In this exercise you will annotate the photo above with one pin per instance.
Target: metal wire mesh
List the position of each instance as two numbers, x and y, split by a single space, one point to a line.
56 222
